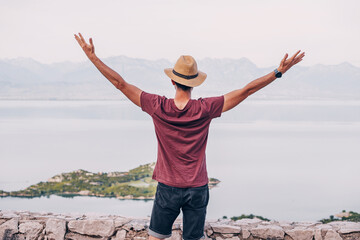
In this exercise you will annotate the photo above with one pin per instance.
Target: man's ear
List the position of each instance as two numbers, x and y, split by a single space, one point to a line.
172 81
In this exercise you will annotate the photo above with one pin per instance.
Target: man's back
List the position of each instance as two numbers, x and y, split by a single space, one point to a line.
182 136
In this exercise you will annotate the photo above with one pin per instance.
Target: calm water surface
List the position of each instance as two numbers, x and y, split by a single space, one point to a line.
296 160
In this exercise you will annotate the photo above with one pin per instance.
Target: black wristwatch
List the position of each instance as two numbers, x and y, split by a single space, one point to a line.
277 73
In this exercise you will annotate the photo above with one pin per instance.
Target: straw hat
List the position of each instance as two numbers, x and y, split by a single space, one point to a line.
186 72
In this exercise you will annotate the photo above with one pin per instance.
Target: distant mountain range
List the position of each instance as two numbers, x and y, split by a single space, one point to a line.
25 78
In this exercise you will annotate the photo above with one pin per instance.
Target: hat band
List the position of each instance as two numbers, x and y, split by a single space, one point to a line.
184 76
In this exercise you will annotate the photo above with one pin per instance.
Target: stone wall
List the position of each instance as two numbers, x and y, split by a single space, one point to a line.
30 225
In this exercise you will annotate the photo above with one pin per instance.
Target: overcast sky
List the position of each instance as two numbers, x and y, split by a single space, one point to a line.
261 30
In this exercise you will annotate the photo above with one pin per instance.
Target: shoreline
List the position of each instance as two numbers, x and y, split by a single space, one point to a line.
22 194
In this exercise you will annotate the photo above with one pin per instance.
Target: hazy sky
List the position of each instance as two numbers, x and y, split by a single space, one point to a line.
261 30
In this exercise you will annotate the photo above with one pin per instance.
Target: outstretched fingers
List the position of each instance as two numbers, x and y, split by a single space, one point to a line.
81 37
87 48
298 61
79 40
91 44
299 58
294 56
284 59
286 64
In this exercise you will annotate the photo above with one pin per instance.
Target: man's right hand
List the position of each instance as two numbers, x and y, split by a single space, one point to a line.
89 49
286 64
129 90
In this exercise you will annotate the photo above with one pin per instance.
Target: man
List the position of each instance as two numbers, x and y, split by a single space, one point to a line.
181 126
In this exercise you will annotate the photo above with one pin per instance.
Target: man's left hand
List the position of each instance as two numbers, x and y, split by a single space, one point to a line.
286 64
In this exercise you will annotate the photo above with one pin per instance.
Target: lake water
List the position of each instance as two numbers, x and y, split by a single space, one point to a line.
284 160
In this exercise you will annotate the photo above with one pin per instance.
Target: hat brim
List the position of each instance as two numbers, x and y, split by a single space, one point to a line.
194 82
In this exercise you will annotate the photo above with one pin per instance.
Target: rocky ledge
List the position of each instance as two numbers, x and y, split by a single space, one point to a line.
31 225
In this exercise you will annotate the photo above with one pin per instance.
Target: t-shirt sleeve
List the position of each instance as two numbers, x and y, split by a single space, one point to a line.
149 102
214 105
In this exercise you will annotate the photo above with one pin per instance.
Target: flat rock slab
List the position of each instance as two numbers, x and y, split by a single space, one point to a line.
268 231
349 227
55 228
31 229
222 228
301 233
102 228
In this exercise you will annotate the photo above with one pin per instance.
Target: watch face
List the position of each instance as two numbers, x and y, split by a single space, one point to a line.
278 74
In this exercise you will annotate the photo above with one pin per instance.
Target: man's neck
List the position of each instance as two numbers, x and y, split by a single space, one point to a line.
182 96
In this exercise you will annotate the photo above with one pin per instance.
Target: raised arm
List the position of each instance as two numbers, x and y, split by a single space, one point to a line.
129 90
233 98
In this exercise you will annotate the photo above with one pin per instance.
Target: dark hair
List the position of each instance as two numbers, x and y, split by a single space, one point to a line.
183 87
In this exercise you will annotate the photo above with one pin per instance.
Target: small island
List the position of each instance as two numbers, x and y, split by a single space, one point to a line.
134 184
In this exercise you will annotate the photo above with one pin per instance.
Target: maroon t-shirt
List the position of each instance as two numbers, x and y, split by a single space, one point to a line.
182 136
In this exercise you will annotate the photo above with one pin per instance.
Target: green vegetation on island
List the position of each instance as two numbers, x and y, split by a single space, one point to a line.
343 216
134 184
252 216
